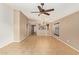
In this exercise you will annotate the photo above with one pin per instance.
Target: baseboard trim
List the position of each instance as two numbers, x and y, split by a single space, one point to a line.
67 44
22 39
5 44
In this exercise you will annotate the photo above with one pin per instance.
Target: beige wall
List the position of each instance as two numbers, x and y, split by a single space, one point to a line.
16 25
69 30
21 26
50 28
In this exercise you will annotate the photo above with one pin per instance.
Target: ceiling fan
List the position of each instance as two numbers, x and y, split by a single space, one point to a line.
42 10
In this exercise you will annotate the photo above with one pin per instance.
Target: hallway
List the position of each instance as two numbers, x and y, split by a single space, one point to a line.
45 45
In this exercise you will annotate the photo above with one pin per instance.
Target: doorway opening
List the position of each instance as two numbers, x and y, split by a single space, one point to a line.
33 32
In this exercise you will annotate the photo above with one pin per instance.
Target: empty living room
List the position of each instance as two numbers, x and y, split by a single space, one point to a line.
39 28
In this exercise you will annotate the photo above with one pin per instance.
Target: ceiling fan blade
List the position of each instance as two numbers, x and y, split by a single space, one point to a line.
40 9
35 12
49 10
46 13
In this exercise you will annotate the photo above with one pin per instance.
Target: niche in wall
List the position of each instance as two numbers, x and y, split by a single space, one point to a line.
56 29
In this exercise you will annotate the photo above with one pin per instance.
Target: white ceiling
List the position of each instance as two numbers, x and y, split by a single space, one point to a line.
61 10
